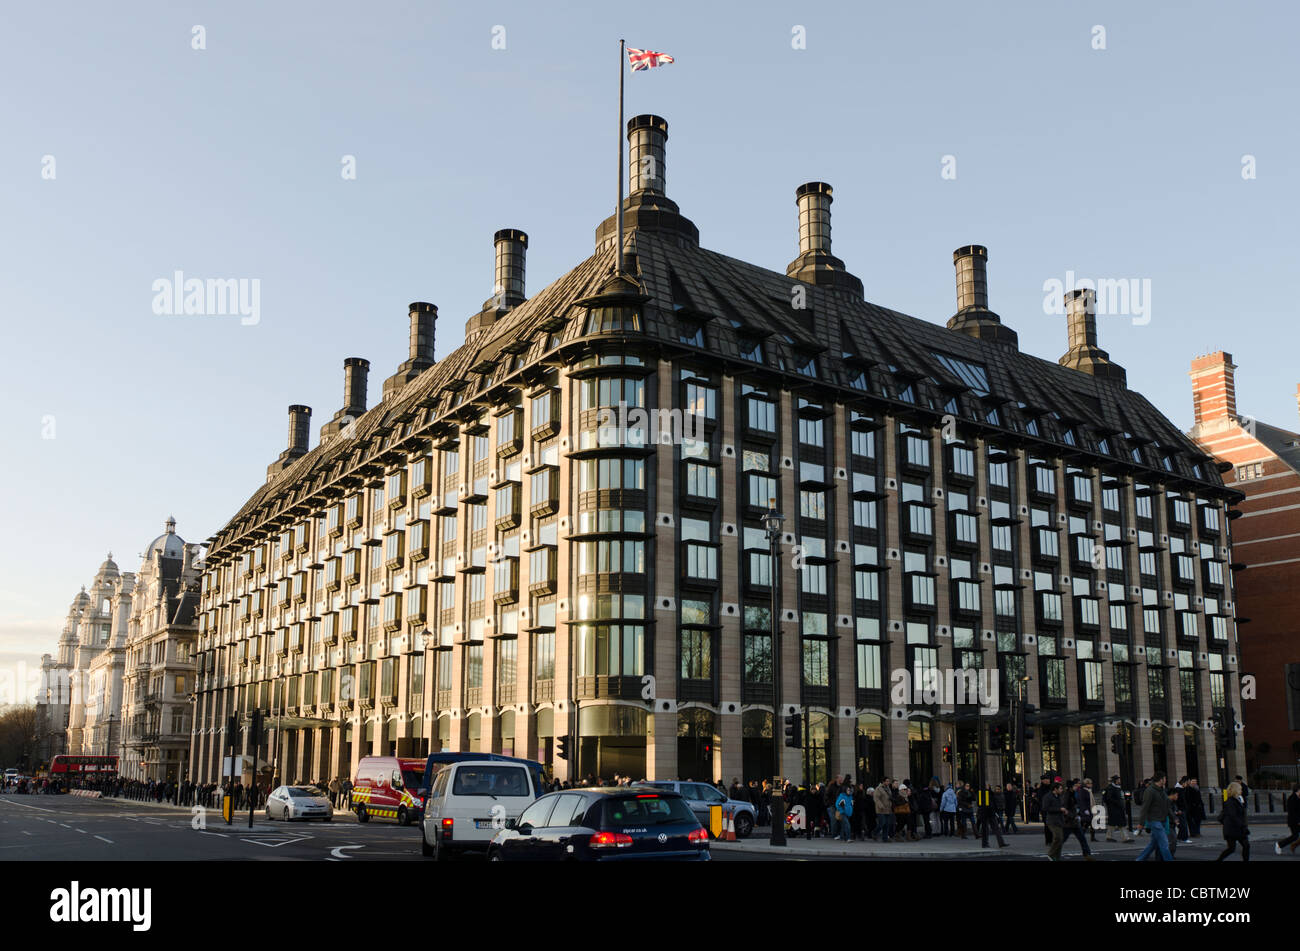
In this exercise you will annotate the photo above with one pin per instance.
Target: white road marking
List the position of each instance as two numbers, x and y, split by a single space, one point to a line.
82 831
337 852
102 839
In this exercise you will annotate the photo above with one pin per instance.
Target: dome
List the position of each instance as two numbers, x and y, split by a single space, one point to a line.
109 568
168 544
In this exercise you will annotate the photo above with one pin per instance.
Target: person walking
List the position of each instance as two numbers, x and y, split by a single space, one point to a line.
1195 806
1010 806
1235 825
1113 799
1292 822
1052 808
1152 817
948 811
1088 808
988 817
1072 821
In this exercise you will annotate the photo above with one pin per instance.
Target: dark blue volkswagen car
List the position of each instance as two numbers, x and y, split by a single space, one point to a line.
603 823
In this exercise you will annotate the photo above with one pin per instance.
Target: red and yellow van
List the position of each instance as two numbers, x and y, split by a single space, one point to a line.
388 787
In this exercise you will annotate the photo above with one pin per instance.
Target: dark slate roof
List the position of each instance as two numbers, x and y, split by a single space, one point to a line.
737 301
1281 442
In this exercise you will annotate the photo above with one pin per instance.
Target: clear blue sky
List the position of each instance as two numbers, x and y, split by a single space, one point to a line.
225 162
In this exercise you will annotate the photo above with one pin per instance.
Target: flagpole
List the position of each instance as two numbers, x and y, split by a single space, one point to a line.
618 212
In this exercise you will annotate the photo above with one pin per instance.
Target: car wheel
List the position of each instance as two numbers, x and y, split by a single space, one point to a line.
402 818
329 819
744 825
440 852
362 815
425 848
268 813
494 855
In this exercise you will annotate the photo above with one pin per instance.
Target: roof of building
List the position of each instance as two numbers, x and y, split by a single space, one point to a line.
168 544
865 351
1281 442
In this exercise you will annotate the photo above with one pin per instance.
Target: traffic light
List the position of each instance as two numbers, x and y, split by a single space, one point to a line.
1023 732
794 731
230 729
562 747
997 737
1115 744
256 726
947 753
1228 739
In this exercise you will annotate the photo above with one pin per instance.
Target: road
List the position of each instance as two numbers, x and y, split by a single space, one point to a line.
71 828
68 828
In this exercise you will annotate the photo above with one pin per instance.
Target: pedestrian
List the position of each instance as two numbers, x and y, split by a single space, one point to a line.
921 806
1152 817
1113 799
1195 806
1088 808
867 809
1010 806
1052 809
987 814
1072 821
1235 826
965 809
1292 822
1044 787
334 791
948 811
844 813
884 810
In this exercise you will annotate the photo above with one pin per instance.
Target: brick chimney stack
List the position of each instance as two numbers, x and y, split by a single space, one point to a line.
1214 393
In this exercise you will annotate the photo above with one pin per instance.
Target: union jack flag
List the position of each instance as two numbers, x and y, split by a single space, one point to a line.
645 59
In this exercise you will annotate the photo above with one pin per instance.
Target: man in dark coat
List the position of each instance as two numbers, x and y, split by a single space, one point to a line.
1195 807
1053 812
1116 815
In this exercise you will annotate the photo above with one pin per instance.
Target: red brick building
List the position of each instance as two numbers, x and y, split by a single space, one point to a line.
1265 464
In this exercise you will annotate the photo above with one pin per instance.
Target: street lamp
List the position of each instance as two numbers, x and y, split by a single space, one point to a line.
772 523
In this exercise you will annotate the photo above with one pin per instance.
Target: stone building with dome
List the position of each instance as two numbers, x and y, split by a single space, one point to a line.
158 646
88 714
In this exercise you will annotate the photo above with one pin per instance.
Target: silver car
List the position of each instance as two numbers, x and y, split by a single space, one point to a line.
299 802
700 796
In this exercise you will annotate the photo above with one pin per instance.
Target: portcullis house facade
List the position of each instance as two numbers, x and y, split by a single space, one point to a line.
487 560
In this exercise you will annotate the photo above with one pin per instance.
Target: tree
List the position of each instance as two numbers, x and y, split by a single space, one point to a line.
18 738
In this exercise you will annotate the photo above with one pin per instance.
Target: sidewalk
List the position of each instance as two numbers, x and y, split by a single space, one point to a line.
1027 845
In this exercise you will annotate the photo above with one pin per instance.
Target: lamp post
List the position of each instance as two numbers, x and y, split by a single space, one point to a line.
772 523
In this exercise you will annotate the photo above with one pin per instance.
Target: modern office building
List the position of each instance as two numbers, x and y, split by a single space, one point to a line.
1264 464
551 539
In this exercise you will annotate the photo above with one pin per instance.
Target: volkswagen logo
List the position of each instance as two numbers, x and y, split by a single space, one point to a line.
662 838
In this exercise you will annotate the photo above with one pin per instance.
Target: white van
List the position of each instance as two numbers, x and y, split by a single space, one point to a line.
470 802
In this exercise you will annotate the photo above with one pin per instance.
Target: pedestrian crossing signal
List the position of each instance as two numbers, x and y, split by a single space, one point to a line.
947 754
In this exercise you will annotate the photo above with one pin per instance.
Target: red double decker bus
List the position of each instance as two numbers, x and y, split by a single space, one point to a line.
71 769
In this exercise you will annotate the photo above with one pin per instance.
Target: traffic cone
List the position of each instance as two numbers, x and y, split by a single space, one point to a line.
730 823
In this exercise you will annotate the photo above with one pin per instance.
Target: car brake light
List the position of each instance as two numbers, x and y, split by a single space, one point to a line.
610 840
447 827
699 837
